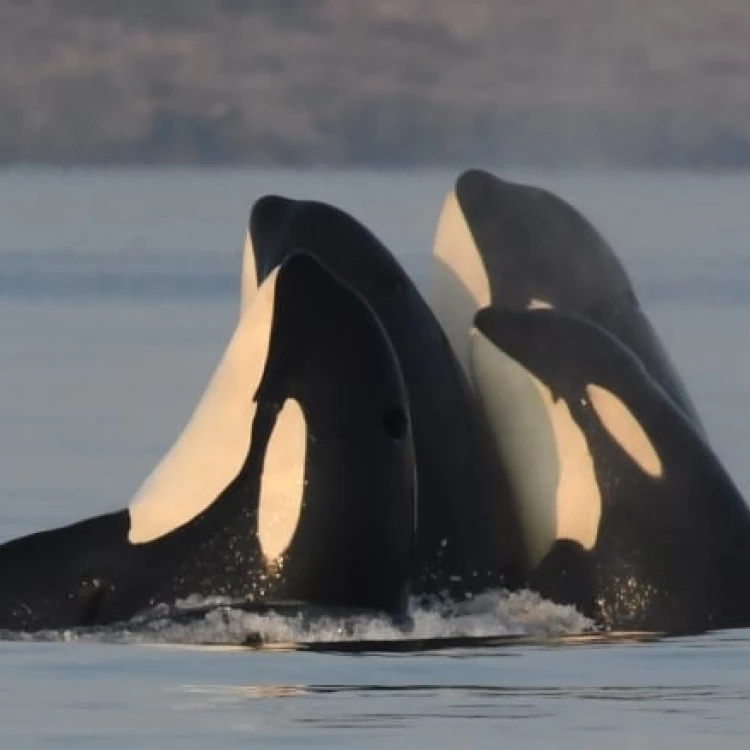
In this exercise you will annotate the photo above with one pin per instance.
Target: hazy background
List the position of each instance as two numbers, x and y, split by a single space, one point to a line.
119 290
386 82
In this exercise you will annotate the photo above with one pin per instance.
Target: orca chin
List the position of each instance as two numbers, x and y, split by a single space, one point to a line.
310 412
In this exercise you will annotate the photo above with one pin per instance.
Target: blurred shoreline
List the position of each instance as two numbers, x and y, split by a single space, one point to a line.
335 83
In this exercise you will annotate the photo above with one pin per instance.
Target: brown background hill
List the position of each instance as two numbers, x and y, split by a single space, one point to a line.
376 82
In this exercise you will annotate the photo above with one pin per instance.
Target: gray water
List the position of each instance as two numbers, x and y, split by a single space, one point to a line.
118 292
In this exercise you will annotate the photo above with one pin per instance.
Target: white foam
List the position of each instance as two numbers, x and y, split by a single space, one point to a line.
494 614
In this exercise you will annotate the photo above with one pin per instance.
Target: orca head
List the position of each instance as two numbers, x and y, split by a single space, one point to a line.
550 384
453 455
540 342
538 251
266 223
505 244
340 524
537 248
601 382
281 226
569 354
295 478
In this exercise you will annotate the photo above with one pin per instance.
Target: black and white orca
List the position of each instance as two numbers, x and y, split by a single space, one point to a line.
626 511
466 541
293 481
504 244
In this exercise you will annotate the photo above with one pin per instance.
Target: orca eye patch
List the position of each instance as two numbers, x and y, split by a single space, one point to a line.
625 429
282 481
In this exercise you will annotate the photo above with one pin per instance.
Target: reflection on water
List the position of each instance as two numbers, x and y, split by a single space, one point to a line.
569 692
681 692
399 706
227 694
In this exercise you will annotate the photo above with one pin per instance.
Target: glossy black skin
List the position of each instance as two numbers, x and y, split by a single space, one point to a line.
536 246
467 539
672 553
354 543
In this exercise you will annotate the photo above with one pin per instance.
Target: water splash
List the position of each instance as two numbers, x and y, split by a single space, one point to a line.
218 622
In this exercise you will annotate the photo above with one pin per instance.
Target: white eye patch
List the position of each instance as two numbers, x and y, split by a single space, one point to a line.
625 429
282 482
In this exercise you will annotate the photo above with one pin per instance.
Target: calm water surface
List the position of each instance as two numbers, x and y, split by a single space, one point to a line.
118 292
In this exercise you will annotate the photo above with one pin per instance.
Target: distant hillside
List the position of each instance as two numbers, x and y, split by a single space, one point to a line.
386 81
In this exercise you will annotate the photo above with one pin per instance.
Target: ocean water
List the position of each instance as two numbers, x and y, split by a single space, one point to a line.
118 292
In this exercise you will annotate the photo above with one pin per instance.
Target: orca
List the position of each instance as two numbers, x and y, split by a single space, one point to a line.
466 541
504 244
293 482
626 511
